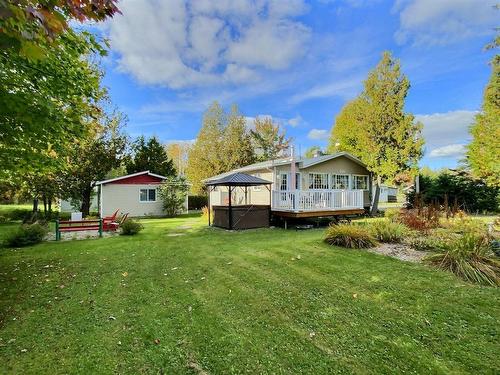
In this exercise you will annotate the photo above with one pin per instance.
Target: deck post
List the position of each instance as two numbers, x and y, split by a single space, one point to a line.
58 233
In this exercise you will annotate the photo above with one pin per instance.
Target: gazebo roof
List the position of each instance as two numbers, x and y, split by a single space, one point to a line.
238 179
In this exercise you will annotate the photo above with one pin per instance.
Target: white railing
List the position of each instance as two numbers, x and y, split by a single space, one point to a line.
317 200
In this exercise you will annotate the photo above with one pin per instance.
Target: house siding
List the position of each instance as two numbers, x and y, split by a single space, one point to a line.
125 198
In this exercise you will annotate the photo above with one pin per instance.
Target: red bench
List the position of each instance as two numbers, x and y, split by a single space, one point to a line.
78 226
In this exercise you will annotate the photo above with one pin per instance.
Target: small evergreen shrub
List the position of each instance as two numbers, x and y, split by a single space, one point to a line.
131 227
26 235
388 231
470 257
350 236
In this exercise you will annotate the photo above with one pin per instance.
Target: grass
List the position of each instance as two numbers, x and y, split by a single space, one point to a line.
236 302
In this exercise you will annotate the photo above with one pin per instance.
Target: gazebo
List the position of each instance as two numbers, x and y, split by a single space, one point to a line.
239 216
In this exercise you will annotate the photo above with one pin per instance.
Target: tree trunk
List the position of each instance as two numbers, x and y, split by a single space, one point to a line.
35 205
376 197
44 200
86 195
50 207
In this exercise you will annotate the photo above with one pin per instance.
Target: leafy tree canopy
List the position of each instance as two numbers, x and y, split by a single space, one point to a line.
223 143
46 104
31 28
375 127
484 151
269 142
150 155
313 151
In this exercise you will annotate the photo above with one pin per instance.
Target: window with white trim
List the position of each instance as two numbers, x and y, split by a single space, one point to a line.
297 181
340 181
360 182
318 181
283 181
147 195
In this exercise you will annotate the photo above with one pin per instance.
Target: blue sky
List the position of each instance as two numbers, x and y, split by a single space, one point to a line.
298 62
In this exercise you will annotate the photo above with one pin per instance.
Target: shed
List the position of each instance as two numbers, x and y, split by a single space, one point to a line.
239 216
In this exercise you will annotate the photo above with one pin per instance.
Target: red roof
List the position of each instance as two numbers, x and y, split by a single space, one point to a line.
140 178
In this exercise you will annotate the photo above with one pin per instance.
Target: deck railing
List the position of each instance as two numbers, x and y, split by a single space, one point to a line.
317 200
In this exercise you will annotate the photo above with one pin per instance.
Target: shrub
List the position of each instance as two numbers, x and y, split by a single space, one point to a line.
469 257
18 214
26 235
388 231
173 194
197 202
434 239
422 219
465 224
3 219
350 236
131 227
392 214
204 214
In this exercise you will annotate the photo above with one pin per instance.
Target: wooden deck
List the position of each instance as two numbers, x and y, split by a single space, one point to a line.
322 213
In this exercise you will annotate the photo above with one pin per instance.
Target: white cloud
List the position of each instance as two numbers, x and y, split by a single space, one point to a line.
295 121
318 134
195 43
443 129
343 88
439 22
455 151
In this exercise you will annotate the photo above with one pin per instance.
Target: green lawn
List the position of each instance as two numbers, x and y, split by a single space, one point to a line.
237 302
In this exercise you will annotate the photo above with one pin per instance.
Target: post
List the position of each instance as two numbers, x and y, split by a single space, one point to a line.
208 203
58 234
246 192
230 210
100 227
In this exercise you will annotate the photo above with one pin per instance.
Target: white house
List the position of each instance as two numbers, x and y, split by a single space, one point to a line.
135 194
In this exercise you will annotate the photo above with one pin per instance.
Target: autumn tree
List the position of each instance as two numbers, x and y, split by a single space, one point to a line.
150 155
268 139
32 28
375 127
178 152
483 152
237 150
222 144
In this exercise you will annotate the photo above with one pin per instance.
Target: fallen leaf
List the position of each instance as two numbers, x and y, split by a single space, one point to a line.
24 350
125 274
111 317
355 295
312 334
298 257
157 341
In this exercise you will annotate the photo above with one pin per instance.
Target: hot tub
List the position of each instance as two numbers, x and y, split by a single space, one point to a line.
243 217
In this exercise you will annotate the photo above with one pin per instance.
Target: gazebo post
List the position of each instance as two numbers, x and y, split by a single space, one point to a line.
246 200
230 211
209 191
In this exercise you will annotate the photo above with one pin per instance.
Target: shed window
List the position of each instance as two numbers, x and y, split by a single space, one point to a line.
318 181
340 181
360 182
147 195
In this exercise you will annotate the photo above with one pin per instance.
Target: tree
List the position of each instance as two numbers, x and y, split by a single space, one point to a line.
150 156
173 193
45 105
178 152
484 150
237 150
32 28
222 144
268 141
93 157
313 151
375 128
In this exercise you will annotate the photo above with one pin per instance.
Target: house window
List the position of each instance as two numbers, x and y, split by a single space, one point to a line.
340 181
360 182
147 195
283 181
318 181
297 181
